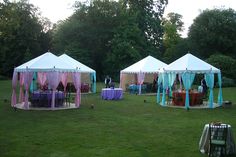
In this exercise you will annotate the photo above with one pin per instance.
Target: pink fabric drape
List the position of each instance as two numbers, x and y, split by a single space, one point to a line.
77 84
64 80
21 96
42 78
53 79
141 77
28 76
14 84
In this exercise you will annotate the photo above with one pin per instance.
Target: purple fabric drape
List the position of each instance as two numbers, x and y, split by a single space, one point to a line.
42 78
14 84
21 96
64 80
28 76
77 84
53 79
141 77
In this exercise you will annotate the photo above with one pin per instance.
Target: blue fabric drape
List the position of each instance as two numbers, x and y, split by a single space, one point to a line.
33 85
93 82
187 78
165 85
171 79
158 89
210 83
220 97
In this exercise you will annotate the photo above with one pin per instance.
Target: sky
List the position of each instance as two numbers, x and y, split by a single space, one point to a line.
57 10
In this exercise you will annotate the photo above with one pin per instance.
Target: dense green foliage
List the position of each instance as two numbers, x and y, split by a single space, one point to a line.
171 39
22 34
110 35
225 63
214 31
128 127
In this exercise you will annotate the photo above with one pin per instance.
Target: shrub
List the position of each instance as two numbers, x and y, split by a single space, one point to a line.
227 82
3 77
225 63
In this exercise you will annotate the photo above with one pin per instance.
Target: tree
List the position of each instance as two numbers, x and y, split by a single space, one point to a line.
225 63
126 45
88 33
108 35
172 28
176 20
21 34
214 31
178 50
149 15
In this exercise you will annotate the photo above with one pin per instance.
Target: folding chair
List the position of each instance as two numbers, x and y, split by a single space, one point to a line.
217 143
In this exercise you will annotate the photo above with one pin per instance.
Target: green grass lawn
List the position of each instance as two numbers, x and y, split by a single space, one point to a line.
125 128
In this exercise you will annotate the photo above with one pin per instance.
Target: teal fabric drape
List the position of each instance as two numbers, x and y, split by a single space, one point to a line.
158 89
93 82
165 85
210 83
33 85
187 78
220 97
171 79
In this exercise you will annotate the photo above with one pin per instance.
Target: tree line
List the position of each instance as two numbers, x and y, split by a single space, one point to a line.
111 35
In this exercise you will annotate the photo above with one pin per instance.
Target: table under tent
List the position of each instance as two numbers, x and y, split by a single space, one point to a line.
141 76
88 75
186 68
50 70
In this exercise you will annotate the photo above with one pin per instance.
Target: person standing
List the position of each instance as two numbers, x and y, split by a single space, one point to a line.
204 87
107 81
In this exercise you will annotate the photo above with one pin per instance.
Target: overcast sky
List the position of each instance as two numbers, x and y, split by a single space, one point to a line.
60 9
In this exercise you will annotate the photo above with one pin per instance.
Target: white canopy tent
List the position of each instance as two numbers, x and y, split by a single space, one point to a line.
144 70
48 67
187 66
86 72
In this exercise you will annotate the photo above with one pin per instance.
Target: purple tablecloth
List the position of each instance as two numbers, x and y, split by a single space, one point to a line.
112 94
44 98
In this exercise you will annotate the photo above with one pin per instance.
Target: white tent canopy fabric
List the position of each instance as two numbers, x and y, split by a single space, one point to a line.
146 65
190 63
69 60
146 68
46 62
86 72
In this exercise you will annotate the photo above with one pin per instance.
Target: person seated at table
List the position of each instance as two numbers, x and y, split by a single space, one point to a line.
204 87
107 81
44 87
112 85
200 89
154 84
